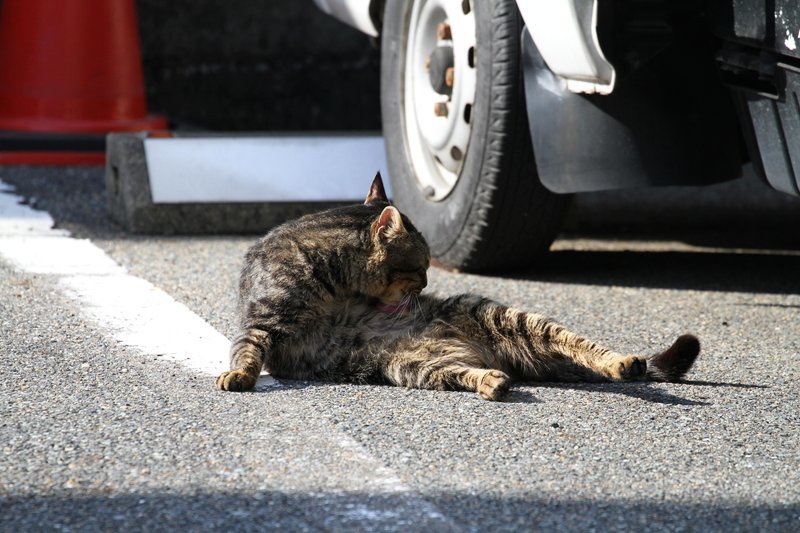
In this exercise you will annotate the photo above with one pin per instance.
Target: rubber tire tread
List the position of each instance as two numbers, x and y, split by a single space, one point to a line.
512 219
518 217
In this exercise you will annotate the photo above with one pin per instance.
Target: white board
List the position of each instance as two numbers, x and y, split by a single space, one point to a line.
300 168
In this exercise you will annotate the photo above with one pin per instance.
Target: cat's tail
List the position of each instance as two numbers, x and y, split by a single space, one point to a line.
674 362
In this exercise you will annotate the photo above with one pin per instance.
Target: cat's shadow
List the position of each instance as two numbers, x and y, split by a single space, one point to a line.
518 395
524 391
641 390
638 390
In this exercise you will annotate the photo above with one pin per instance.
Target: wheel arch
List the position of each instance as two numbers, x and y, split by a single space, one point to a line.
376 8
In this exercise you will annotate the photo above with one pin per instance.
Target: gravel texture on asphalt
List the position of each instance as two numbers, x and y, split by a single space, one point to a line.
96 436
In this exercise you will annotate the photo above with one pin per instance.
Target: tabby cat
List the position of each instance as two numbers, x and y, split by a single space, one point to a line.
336 296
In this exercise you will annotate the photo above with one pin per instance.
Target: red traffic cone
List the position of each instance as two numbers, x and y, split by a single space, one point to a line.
69 67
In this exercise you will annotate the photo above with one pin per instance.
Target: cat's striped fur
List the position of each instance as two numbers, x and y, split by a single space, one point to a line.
336 296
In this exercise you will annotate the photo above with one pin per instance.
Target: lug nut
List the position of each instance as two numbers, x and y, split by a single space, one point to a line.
449 76
441 109
443 32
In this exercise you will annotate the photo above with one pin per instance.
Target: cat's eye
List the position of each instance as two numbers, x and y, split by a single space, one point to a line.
414 274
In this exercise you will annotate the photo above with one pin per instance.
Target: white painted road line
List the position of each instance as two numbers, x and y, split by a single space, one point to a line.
137 313
145 318
57 254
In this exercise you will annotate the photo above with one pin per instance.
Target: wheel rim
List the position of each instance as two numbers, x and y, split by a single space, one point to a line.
437 125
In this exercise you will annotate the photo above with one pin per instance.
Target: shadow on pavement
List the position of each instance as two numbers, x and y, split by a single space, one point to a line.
639 390
717 271
525 391
336 511
722 384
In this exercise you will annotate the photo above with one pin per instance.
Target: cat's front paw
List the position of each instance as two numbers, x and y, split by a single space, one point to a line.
494 385
628 368
235 380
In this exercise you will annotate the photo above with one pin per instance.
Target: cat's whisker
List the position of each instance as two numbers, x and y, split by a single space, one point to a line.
399 310
419 310
416 309
397 314
413 309
408 302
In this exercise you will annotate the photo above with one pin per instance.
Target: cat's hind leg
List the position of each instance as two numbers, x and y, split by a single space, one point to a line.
530 346
563 350
247 359
441 365
533 347
674 362
670 365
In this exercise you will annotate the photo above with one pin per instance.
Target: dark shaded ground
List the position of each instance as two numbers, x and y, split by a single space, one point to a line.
325 512
739 272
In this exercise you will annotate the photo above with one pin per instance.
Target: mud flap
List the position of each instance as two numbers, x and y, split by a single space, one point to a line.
653 130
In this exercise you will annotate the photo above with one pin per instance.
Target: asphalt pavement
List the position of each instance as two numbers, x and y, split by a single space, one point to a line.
97 435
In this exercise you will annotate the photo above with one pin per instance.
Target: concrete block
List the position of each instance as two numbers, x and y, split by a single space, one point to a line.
203 189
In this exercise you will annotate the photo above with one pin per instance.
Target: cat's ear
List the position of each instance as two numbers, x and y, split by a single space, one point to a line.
389 224
376 191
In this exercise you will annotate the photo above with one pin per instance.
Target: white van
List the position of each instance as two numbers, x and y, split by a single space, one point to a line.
495 110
